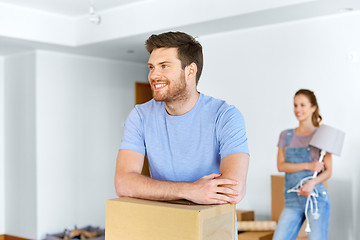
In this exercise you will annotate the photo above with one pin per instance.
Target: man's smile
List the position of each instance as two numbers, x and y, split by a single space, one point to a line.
158 86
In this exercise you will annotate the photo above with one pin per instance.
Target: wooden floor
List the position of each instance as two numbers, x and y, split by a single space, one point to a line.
8 237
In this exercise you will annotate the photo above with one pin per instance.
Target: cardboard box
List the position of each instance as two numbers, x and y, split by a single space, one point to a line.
301 238
137 219
277 196
256 225
245 215
256 235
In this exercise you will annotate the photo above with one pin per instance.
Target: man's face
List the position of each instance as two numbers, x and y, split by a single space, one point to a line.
166 77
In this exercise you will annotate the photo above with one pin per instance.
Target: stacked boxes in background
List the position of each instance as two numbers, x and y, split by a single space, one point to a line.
245 215
249 229
134 219
277 196
265 235
257 226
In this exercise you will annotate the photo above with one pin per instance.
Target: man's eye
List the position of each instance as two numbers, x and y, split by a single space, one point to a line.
164 66
151 67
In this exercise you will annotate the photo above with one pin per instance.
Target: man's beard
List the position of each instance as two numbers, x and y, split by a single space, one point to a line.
175 91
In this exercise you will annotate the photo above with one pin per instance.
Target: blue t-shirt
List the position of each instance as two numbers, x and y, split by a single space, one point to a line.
187 147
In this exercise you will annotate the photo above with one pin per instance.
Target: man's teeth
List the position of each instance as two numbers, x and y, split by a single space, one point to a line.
160 85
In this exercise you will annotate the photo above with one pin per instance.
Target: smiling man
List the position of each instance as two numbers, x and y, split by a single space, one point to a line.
196 145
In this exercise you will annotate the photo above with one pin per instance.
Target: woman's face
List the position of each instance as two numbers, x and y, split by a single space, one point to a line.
302 108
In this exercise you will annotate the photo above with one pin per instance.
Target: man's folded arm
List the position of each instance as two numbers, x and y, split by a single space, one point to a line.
235 167
129 182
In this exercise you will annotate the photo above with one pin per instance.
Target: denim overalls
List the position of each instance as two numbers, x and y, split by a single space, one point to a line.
293 215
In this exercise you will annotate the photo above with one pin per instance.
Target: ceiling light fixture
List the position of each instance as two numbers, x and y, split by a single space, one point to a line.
93 17
345 10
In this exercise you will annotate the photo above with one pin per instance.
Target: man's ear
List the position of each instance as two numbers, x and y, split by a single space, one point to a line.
190 71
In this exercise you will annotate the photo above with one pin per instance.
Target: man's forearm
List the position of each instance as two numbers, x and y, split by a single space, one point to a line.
139 186
129 182
209 189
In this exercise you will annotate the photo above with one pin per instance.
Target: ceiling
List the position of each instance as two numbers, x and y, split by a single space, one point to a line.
63 25
69 7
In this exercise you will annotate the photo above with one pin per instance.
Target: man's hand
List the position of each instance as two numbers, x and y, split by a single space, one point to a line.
210 189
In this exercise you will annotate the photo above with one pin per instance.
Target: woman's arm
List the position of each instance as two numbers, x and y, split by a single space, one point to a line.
296 167
308 187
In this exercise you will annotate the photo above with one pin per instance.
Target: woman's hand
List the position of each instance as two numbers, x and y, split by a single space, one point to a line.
308 188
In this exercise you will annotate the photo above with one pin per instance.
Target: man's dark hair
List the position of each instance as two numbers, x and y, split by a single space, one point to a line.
188 48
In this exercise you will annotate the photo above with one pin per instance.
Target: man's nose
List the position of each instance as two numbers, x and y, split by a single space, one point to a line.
154 74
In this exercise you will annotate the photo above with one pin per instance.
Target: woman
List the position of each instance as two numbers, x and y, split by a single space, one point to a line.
299 160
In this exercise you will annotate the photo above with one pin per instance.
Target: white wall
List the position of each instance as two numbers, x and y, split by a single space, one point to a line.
82 104
259 70
64 116
20 156
2 148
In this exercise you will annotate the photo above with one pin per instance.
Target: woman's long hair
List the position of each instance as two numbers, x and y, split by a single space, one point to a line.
316 117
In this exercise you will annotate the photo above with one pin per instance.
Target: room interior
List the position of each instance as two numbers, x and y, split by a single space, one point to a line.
67 83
